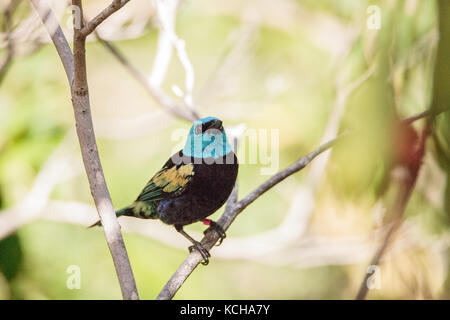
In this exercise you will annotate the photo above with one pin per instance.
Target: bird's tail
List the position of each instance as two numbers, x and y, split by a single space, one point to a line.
127 211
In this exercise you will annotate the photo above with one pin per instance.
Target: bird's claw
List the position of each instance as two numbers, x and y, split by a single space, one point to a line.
205 253
216 227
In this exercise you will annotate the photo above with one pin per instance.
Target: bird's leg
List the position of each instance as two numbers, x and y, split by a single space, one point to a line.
215 226
196 245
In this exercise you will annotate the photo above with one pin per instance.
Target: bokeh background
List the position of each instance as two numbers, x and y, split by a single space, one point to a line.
308 68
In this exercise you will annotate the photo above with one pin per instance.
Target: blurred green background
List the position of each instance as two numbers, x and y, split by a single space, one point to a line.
286 65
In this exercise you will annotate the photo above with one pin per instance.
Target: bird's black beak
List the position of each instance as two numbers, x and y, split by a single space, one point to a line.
216 124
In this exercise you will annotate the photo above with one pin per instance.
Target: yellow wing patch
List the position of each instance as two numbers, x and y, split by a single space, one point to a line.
173 179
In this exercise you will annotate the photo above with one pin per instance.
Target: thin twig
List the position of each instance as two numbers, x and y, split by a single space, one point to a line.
6 63
166 11
54 30
164 47
421 115
6 27
164 100
427 113
102 16
232 210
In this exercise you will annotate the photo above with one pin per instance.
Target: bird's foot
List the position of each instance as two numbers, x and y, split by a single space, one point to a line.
215 226
205 253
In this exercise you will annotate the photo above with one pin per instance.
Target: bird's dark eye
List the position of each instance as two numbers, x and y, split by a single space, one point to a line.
198 129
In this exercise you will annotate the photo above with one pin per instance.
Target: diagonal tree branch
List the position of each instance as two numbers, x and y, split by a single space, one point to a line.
430 113
232 209
166 12
102 16
168 40
152 84
54 30
75 67
6 27
163 99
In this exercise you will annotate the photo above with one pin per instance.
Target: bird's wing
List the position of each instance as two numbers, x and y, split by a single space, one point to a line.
172 180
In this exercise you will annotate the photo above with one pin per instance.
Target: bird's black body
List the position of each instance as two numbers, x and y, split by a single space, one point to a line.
211 185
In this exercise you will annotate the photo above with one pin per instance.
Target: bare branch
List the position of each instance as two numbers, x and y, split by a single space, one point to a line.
102 16
6 27
75 67
427 113
232 210
164 47
57 35
6 63
167 39
151 84
178 110
417 117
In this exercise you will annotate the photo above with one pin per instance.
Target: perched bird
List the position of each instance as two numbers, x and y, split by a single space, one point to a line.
193 184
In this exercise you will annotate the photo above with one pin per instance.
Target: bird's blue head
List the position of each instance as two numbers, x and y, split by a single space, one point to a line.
207 139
